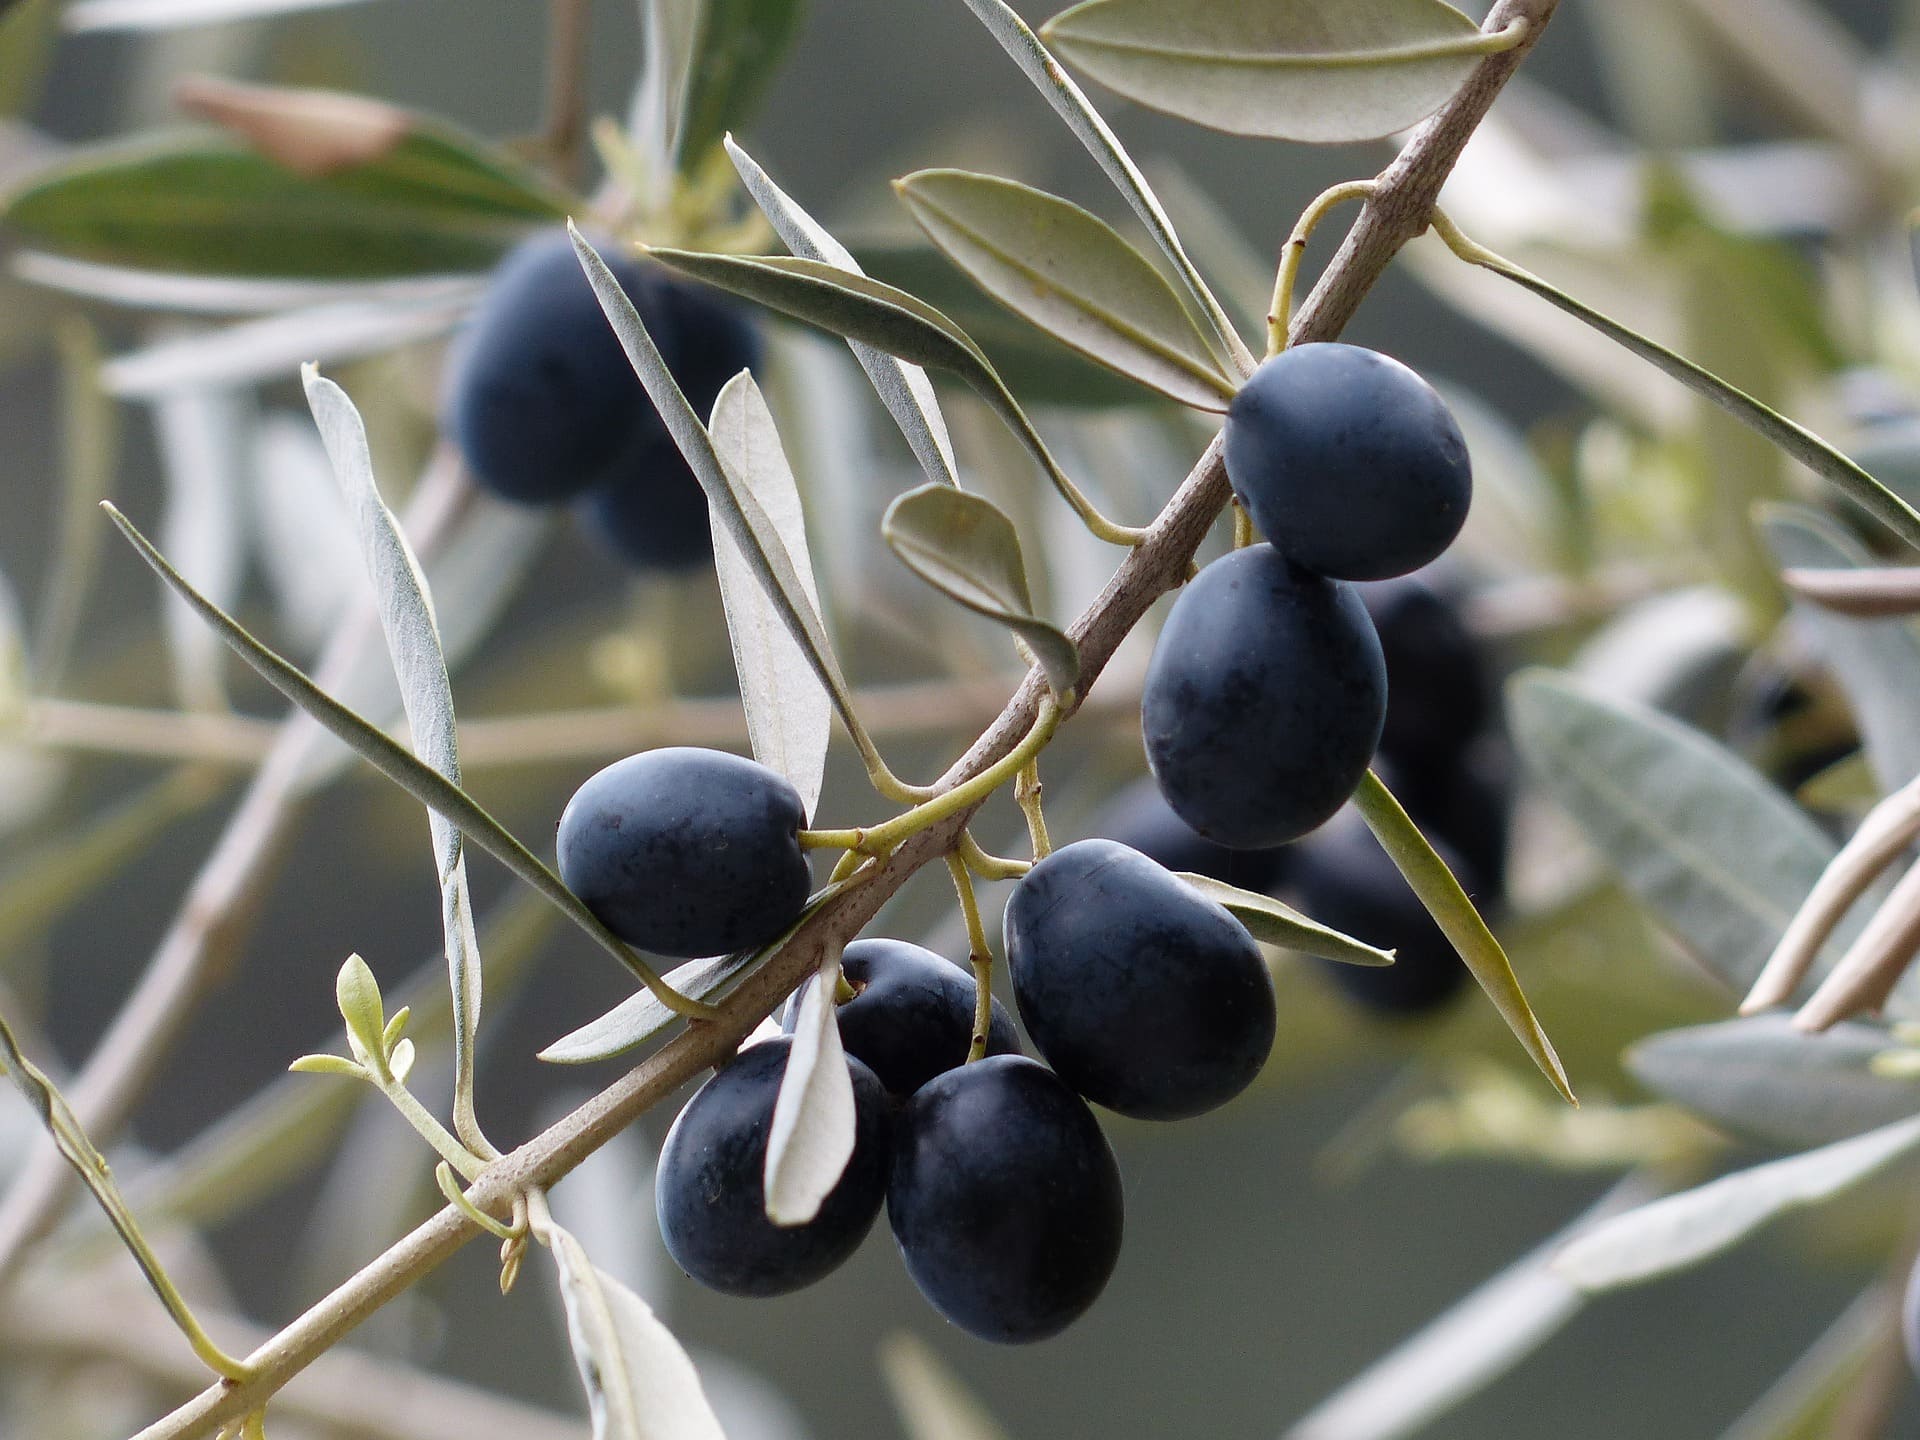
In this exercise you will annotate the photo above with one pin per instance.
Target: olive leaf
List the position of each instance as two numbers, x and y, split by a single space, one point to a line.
966 548
789 713
85 15
432 201
358 995
1070 103
730 503
1877 662
1457 1355
640 1017
1277 923
1684 1229
902 387
1071 274
857 307
1763 1078
1314 70
1699 836
811 1136
734 52
933 1403
412 632
640 1384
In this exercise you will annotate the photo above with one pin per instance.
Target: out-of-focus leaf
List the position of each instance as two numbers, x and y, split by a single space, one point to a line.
1891 450
302 538
1278 923
1684 1229
27 30
260 351
1072 275
1760 1077
1466 1349
903 388
413 640
931 1401
1877 662
166 290
1035 365
82 15
789 712
203 436
1696 833
1316 70
811 1137
1070 103
640 1384
432 200
968 550
90 447
737 46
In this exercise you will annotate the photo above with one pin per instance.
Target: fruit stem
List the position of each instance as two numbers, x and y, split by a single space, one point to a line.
990 867
882 839
980 955
1026 791
1280 313
1243 535
831 839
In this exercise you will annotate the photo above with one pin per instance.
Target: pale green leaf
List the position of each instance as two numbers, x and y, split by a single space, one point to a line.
1071 274
1070 103
640 1017
400 1062
1762 1078
358 995
87 15
1315 70
963 546
902 387
640 1384
811 1136
328 1065
1877 662
789 713
1280 924
1699 836
1684 1229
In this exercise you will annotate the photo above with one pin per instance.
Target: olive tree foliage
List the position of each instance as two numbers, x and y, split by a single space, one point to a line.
1728 752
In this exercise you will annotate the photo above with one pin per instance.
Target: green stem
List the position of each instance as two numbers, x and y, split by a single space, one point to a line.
1802 444
830 839
456 1197
979 954
1243 534
1280 313
990 867
1026 791
881 839
1457 918
430 1129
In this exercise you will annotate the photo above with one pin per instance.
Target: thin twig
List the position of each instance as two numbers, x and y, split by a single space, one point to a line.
1159 563
569 24
1866 974
1873 594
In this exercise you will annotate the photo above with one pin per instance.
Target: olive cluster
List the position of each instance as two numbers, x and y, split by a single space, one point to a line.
545 409
1002 1192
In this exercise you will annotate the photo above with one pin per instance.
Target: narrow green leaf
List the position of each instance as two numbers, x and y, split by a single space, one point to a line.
811 1136
435 201
856 307
789 712
1699 836
903 388
1459 921
1280 924
412 634
1796 440
730 503
386 755
1763 1079
1684 1229
1071 274
358 995
736 52
1314 70
640 1384
1033 364
1070 103
968 550
1877 662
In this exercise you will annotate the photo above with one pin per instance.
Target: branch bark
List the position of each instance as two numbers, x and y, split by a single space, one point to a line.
1395 214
